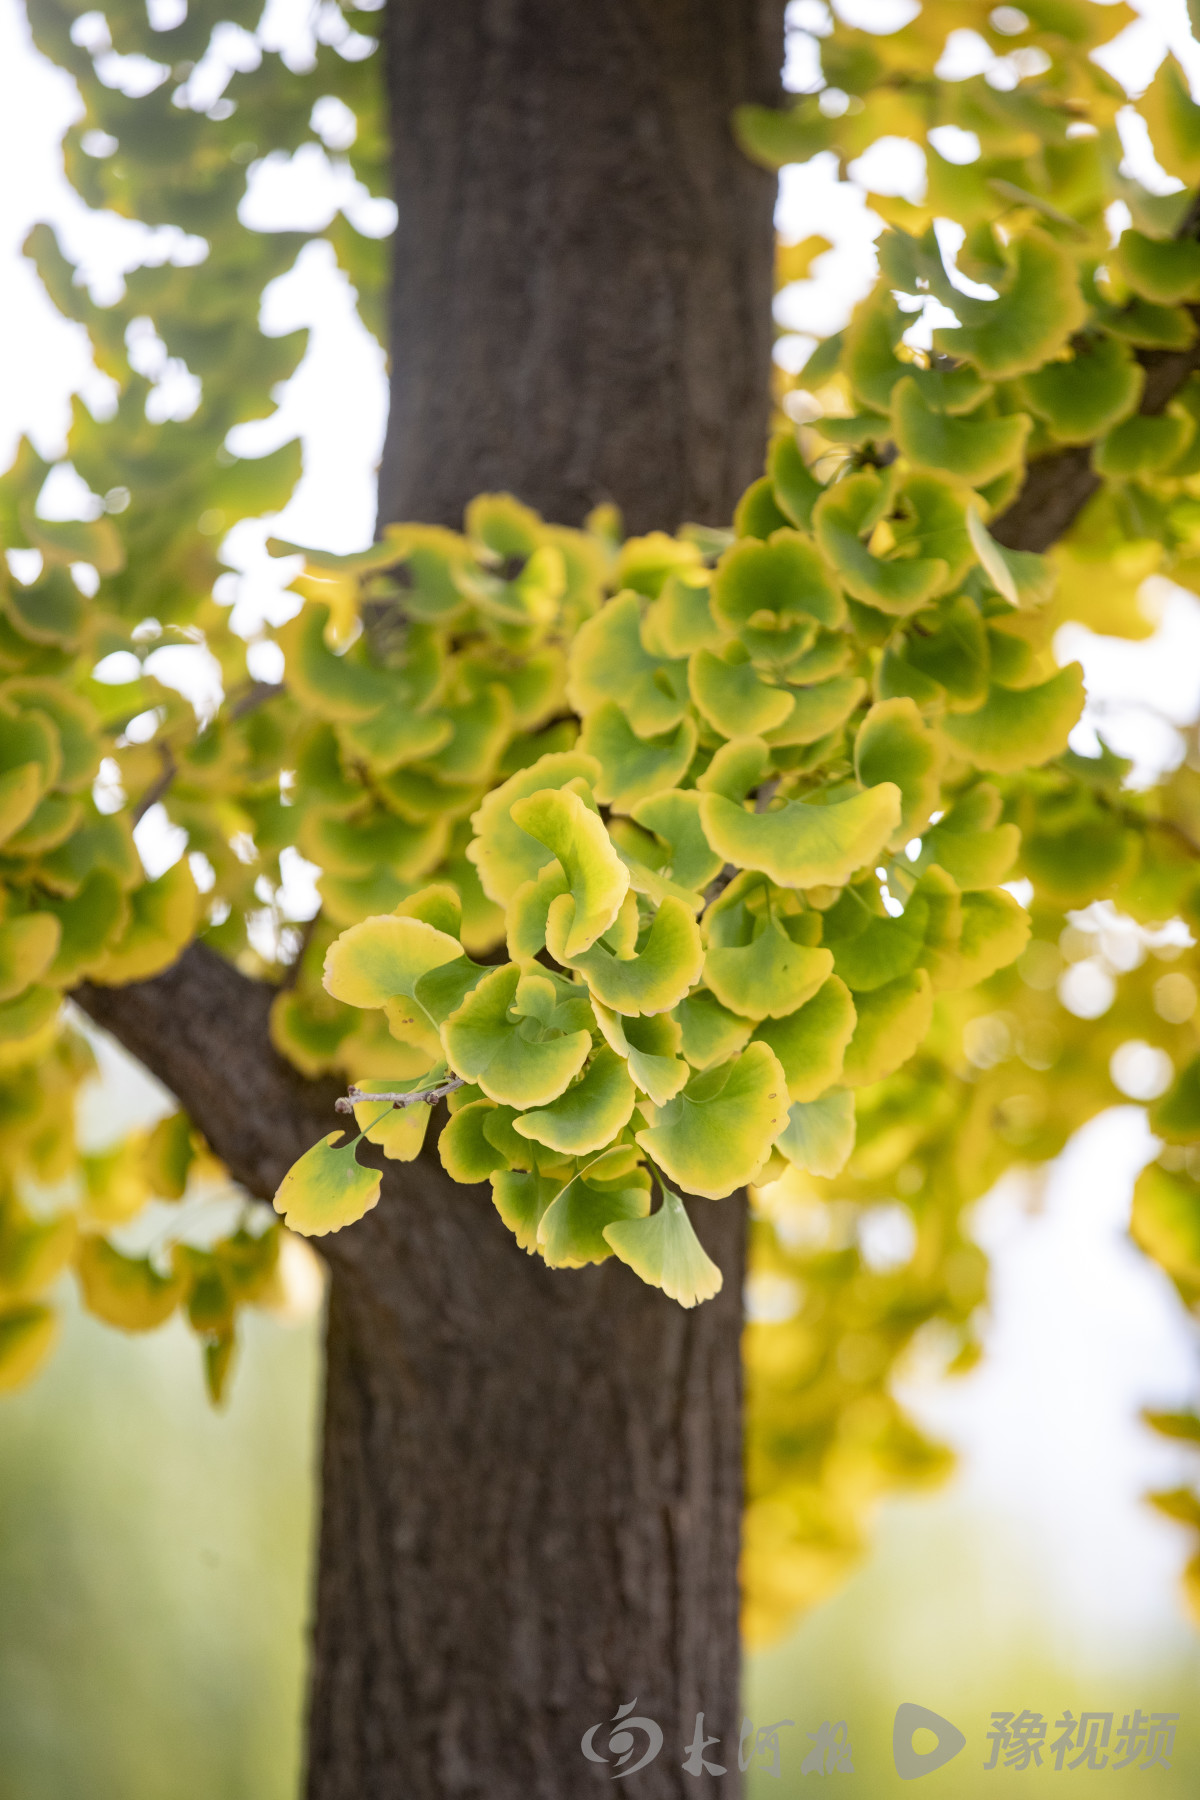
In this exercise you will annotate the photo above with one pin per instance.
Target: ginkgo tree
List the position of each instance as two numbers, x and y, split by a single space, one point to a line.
685 771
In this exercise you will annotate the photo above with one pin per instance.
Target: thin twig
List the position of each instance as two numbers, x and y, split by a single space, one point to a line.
157 789
427 1096
257 694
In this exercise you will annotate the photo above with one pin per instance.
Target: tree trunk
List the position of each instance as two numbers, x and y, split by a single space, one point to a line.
532 1480
581 301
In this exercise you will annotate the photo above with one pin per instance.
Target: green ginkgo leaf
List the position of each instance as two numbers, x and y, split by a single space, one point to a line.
125 1291
681 620
664 1251
803 844
467 1153
717 1133
732 695
1165 270
652 980
327 1188
611 1189
811 1042
527 911
995 930
768 977
1176 1116
1143 445
504 855
399 1131
899 586
818 710
28 945
597 879
871 948
1086 395
977 449
1035 317
521 1197
609 662
943 659
711 1033
1174 120
819 1135
631 767
1018 728
497 1040
674 817
650 1047
1165 1222
892 1021
20 790
796 487
786 578
383 957
969 844
589 1114
895 744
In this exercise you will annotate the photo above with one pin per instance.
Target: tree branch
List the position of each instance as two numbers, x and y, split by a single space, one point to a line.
1058 486
201 1027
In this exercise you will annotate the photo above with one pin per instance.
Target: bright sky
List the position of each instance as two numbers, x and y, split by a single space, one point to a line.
1083 1330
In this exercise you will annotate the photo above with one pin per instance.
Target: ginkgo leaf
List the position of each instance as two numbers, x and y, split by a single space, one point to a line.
514 1056
786 578
597 879
1084 396
521 1197
649 1046
28 1333
711 1033
716 1134
571 1231
977 449
504 855
651 981
327 1189
803 844
969 843
1165 1222
467 1153
1021 577
664 1251
818 710
943 658
811 1042
870 946
399 1131
768 977
898 586
1019 728
28 945
732 695
892 1021
674 816
631 767
589 1114
819 1135
126 1291
995 930
609 662
1176 1116
383 957
894 744
1037 314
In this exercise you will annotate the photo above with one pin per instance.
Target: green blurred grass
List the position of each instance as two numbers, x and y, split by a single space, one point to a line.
154 1559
